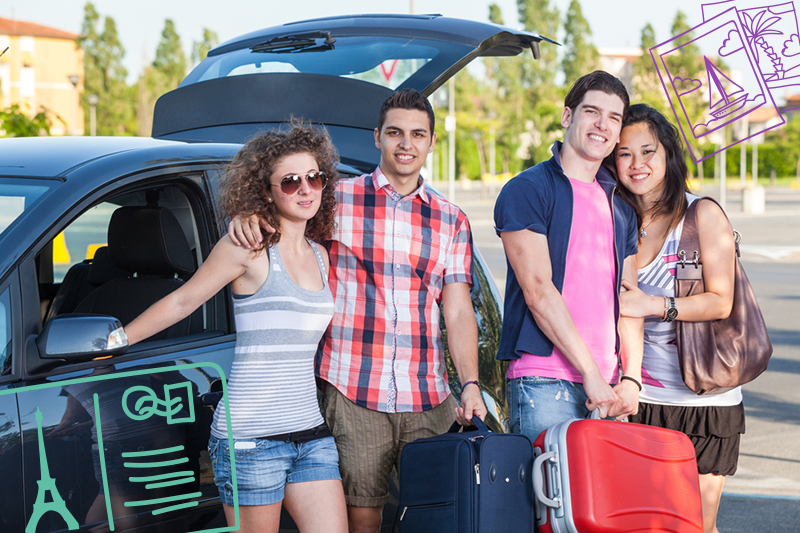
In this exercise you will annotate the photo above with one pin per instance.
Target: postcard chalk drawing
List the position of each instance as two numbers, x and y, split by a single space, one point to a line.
731 87
143 460
771 34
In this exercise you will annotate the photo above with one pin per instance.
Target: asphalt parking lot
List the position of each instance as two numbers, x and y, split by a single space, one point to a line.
764 495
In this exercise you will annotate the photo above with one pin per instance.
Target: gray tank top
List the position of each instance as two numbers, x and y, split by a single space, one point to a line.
271 386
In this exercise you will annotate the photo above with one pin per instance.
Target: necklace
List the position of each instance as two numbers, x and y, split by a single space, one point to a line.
642 232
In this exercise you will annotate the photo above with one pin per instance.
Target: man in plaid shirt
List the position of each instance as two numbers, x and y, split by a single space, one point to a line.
398 251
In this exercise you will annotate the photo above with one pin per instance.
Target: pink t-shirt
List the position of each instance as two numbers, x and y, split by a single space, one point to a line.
589 285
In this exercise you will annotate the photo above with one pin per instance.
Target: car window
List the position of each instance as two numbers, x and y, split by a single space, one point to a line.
5 333
388 62
18 195
156 247
81 239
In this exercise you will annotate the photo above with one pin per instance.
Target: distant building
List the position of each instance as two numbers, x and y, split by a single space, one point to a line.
619 62
791 107
42 70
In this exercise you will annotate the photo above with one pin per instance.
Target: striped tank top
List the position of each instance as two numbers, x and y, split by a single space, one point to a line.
661 372
271 387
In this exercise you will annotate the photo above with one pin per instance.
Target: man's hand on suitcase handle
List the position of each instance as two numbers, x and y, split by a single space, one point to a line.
471 405
600 395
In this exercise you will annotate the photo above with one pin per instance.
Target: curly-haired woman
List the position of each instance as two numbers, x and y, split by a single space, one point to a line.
284 454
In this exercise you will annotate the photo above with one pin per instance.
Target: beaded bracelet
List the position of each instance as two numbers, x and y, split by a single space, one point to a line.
632 379
473 381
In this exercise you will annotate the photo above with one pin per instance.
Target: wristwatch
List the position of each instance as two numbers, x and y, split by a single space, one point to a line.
670 311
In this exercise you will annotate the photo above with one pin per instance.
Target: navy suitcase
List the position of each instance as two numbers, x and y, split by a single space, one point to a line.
476 481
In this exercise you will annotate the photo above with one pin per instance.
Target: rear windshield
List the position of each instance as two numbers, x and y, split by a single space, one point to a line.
385 61
17 196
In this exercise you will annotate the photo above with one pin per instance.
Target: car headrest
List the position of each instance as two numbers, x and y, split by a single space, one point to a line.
102 269
148 241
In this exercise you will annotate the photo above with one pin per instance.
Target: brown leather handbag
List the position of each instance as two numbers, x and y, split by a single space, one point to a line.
718 355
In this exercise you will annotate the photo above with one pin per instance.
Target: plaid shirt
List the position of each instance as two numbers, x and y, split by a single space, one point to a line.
390 258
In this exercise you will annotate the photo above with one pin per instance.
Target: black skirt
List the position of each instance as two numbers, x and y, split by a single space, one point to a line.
714 431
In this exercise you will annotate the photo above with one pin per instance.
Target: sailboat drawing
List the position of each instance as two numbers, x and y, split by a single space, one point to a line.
729 97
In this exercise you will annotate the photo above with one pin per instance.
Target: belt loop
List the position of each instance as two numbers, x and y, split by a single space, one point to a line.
288 437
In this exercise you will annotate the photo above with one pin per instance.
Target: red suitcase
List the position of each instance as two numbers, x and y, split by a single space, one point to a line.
602 476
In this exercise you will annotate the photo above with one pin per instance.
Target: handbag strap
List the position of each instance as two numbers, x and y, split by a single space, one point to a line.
689 246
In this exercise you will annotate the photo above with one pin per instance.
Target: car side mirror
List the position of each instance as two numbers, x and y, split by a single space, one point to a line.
81 337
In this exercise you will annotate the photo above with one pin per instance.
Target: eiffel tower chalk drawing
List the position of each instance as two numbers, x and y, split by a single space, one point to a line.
47 485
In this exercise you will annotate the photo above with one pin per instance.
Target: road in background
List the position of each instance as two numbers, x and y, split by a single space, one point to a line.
764 495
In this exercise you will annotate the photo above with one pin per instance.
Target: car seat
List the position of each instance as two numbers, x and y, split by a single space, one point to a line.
83 278
149 244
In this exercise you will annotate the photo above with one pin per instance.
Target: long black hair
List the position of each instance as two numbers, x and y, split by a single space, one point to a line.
672 202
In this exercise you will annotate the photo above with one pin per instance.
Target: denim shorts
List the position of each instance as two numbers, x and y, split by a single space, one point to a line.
264 467
537 403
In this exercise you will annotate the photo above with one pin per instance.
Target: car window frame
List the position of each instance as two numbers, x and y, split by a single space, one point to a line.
11 284
191 177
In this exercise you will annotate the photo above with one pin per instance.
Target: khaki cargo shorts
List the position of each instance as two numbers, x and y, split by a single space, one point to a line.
370 442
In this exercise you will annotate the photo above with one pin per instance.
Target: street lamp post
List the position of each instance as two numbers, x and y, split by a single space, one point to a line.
74 79
92 99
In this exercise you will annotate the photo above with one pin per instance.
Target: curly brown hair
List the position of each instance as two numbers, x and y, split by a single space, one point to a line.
245 188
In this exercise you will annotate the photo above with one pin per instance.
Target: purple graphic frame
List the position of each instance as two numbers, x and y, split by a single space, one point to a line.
773 37
729 101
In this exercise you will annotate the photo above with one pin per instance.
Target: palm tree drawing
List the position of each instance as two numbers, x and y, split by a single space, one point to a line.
755 28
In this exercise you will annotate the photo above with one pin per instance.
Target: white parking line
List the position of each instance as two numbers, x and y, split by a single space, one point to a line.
772 253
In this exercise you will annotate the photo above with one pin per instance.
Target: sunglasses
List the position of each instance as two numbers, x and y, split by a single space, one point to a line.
291 184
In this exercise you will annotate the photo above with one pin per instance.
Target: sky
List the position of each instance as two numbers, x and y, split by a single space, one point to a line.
139 23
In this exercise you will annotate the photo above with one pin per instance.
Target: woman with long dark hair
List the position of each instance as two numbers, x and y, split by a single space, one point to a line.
652 172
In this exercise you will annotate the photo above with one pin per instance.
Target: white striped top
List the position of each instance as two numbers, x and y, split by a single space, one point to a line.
271 387
661 372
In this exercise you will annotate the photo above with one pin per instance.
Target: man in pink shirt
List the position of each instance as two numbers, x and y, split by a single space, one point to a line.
569 241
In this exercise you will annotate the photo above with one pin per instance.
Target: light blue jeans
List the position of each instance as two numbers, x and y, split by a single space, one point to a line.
537 403
265 467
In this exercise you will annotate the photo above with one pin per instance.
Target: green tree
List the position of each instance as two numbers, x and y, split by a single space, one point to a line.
687 63
201 48
506 102
495 14
163 75
580 55
170 60
14 123
522 98
540 17
104 76
542 97
647 88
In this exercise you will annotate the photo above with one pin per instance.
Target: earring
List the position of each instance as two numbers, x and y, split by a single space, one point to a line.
269 200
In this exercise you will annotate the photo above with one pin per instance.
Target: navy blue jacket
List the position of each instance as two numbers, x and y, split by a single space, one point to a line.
540 199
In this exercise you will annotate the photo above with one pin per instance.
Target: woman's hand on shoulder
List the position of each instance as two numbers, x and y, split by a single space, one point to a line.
634 303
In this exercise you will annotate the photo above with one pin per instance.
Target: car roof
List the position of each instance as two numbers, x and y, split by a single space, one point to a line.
55 156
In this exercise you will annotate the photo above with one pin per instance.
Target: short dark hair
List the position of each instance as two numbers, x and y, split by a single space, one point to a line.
599 80
407 99
673 199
